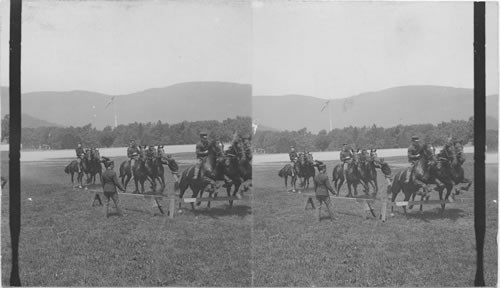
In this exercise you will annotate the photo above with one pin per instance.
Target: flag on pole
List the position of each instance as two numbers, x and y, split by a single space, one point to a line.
254 127
326 104
110 102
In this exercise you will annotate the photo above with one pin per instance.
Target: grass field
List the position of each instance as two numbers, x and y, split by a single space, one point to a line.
65 242
421 249
268 240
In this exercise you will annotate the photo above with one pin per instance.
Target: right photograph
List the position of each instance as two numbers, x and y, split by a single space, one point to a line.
363 118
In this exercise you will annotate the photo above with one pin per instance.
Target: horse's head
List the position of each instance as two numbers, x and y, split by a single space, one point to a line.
216 148
385 168
427 152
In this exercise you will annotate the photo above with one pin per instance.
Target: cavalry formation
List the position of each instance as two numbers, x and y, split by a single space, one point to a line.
427 171
145 164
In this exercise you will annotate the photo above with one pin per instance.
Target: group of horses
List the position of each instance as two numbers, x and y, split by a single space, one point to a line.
147 168
233 167
144 169
358 173
443 171
432 171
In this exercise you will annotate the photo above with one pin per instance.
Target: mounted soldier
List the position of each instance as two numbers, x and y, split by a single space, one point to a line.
150 152
373 154
201 152
364 156
293 158
132 153
413 156
80 153
346 157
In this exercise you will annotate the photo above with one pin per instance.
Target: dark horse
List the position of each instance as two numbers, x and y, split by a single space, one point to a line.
426 171
286 172
353 177
305 168
156 172
139 171
72 168
207 174
236 166
95 167
368 172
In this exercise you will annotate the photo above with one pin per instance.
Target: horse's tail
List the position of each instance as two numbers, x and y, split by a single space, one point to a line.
180 180
397 183
67 168
283 171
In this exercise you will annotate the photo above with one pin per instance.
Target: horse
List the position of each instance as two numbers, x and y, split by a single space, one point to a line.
367 171
458 175
72 168
353 177
424 173
207 174
155 171
236 166
85 166
307 169
139 171
287 171
94 167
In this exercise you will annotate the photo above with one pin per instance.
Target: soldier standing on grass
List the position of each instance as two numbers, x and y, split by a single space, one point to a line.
109 184
321 188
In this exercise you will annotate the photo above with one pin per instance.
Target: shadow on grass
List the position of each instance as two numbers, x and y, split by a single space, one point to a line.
435 214
216 212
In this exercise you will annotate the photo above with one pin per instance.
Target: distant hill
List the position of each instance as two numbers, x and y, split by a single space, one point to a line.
28 121
386 108
193 101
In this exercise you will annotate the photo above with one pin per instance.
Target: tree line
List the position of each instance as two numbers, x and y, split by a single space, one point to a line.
145 134
369 137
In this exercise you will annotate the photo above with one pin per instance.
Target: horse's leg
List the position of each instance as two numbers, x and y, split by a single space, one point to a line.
286 183
407 194
449 188
237 185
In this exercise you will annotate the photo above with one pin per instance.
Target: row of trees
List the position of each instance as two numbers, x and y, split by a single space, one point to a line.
269 141
149 133
369 137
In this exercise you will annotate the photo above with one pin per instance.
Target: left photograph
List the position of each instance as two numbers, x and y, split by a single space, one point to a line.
135 143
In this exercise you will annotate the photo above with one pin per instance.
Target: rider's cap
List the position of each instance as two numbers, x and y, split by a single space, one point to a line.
414 138
321 166
203 133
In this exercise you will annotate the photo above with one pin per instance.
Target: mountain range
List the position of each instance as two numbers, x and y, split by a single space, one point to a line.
192 101
198 101
387 108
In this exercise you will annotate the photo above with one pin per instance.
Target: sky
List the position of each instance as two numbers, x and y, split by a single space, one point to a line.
341 49
120 47
317 48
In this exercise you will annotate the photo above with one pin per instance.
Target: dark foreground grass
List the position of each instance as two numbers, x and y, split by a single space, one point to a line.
65 242
290 248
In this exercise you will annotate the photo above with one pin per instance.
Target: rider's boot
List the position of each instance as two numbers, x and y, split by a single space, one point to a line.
408 176
196 171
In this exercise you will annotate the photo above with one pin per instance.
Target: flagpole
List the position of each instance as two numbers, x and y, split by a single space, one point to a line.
114 111
330 114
